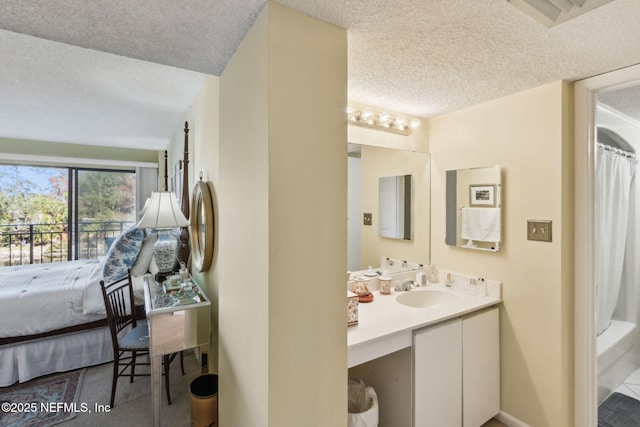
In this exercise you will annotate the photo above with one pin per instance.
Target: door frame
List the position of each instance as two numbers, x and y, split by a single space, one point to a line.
585 358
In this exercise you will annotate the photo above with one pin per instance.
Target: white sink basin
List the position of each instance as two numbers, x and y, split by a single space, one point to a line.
427 298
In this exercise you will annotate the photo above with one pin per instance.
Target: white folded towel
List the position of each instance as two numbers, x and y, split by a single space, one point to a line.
481 224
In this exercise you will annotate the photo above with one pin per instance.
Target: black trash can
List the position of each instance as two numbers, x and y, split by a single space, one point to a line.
204 401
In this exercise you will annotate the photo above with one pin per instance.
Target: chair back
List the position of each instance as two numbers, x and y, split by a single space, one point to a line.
118 301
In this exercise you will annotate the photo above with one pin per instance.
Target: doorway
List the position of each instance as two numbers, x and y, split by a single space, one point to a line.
585 197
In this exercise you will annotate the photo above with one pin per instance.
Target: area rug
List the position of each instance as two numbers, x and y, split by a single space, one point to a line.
619 410
42 402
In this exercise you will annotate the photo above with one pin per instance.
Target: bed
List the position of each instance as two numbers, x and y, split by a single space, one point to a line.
52 316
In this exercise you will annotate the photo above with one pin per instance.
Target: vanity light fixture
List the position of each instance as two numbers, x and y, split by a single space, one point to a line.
384 121
554 12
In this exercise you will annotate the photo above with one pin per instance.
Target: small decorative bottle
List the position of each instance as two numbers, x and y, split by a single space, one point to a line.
420 276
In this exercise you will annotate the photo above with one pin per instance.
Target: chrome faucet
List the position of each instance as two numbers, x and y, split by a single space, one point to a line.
406 286
449 281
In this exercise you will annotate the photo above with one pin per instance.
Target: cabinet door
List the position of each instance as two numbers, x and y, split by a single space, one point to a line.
481 367
437 375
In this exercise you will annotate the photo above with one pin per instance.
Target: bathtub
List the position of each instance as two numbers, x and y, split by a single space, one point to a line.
617 350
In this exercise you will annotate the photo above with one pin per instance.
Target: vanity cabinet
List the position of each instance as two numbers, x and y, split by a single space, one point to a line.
456 368
437 375
481 367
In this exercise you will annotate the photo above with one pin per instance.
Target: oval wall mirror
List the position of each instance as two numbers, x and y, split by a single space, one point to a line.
201 226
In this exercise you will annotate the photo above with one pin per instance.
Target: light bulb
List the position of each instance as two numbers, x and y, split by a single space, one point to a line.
367 116
400 123
384 119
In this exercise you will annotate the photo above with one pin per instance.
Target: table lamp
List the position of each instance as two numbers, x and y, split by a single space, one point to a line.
163 214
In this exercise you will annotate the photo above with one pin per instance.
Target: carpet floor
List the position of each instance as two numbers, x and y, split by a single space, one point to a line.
133 400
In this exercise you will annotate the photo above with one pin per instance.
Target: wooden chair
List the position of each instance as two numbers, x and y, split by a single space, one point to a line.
129 336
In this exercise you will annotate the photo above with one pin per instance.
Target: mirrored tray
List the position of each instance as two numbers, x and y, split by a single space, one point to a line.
164 300
185 297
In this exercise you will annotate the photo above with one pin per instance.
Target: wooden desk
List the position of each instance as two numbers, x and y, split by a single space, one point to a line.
172 328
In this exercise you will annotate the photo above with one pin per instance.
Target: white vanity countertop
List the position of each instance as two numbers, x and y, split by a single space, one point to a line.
385 325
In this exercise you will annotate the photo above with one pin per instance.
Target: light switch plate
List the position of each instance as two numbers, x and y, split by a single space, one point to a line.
539 230
366 218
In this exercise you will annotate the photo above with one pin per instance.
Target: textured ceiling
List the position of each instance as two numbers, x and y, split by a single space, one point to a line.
419 57
62 93
625 100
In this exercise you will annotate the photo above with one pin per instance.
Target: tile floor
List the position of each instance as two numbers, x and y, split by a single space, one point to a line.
631 386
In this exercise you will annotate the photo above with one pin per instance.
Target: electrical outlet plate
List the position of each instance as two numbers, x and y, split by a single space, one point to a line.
367 218
539 230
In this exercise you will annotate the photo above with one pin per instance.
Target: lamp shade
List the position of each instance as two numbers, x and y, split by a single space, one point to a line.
163 212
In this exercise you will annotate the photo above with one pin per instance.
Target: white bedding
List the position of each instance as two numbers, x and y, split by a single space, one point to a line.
42 298
26 360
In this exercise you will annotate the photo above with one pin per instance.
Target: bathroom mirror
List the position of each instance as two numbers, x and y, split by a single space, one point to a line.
366 164
473 208
394 206
201 226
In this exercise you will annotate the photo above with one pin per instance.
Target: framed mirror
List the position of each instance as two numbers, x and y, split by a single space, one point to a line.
202 226
473 208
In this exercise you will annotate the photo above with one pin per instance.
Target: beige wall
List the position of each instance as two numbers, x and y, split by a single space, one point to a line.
378 162
204 147
282 206
59 149
244 232
529 134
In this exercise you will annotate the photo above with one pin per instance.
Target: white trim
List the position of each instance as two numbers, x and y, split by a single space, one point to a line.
32 159
584 369
585 360
509 420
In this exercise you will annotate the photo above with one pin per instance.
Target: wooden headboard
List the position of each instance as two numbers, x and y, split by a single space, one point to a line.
185 250
184 201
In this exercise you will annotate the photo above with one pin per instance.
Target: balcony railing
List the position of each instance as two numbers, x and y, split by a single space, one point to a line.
44 243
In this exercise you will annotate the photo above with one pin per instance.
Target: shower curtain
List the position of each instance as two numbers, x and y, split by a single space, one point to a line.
614 173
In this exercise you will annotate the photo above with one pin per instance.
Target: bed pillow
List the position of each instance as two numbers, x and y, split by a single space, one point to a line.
141 266
122 254
153 267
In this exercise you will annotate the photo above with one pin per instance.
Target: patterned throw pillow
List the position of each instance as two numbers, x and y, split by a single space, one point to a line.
122 254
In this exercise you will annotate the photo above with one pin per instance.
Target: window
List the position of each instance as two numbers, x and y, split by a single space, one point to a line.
50 214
